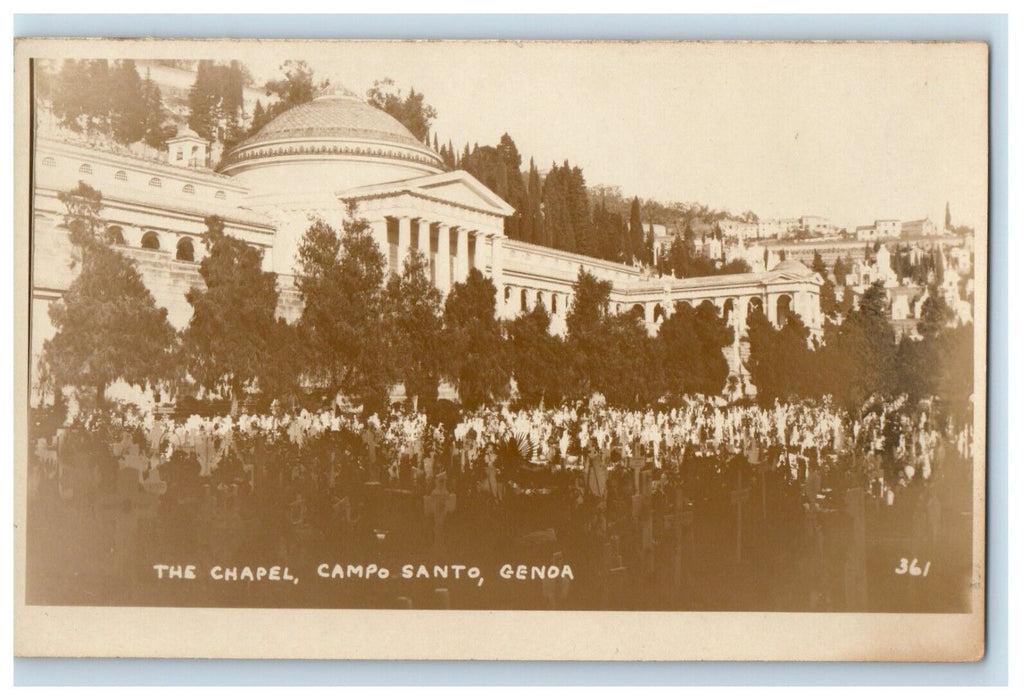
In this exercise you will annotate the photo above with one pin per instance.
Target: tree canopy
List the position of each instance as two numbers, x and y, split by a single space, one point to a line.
233 342
340 276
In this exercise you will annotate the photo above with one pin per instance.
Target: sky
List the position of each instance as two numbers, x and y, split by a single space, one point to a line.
852 132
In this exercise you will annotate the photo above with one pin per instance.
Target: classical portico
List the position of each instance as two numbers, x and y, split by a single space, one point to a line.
455 221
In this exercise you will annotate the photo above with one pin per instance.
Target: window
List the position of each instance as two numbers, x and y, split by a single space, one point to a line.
115 236
150 241
155 182
86 169
50 162
178 154
120 175
184 250
219 195
188 189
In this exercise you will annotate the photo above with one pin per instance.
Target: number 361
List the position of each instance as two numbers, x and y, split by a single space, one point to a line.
912 568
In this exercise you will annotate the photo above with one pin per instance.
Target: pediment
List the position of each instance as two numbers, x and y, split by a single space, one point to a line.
456 187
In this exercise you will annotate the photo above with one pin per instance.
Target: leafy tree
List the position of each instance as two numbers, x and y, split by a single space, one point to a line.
691 342
231 343
474 341
637 245
847 303
296 87
414 313
763 364
340 278
629 367
411 111
781 364
156 130
839 271
81 96
936 314
129 108
827 298
82 219
862 351
108 328
918 368
216 101
587 329
537 358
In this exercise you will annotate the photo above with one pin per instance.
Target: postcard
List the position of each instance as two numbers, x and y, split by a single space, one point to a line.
501 350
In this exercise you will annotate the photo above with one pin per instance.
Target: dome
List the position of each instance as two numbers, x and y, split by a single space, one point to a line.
184 132
335 114
791 265
336 126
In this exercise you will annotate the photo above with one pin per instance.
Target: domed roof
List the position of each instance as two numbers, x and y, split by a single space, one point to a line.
336 113
791 265
184 132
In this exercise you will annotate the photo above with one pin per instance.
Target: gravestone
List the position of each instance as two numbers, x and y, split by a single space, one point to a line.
856 563
439 505
643 513
738 498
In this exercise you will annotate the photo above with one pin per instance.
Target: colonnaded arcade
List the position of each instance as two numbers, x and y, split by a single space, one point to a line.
311 161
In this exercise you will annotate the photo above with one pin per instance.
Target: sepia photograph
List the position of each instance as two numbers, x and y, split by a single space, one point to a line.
512 342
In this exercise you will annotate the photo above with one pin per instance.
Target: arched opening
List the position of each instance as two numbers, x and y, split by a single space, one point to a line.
638 312
525 300
507 295
708 307
539 299
150 241
659 313
782 308
114 235
553 303
184 249
755 305
727 308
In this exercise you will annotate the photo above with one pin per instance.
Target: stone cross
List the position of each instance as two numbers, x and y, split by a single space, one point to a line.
855 564
674 524
637 464
643 512
738 497
440 504
124 509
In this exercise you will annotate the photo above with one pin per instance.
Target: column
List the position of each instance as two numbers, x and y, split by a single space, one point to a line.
443 257
422 230
497 265
403 241
380 234
478 259
461 273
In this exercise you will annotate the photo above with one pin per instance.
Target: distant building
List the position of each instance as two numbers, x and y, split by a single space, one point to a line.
918 229
818 225
776 228
882 228
887 228
740 230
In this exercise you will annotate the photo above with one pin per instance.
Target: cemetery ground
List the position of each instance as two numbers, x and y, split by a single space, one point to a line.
739 550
